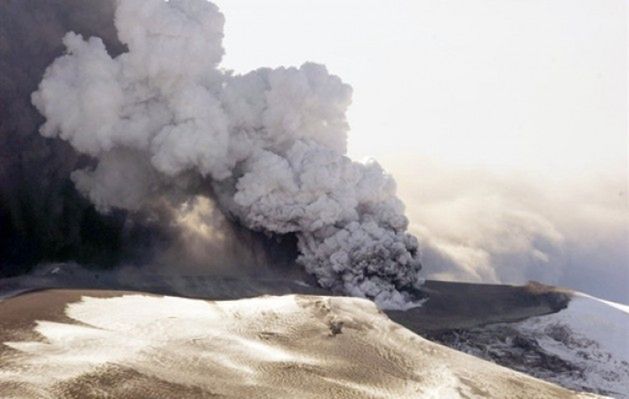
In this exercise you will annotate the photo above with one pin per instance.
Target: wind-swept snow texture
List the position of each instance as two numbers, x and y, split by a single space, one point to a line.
136 345
166 123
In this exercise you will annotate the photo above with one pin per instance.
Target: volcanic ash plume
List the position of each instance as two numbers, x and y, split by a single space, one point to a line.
269 145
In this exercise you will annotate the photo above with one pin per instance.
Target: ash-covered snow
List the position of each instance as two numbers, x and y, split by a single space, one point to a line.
583 347
592 335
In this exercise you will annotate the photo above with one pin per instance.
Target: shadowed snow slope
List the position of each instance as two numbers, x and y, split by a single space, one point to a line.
64 343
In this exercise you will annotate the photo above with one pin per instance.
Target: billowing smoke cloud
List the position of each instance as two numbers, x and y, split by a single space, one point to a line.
166 125
43 218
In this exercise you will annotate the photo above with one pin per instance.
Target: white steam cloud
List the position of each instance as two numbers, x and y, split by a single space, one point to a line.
162 116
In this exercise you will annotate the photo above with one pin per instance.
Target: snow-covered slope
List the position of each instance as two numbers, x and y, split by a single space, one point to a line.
93 343
584 346
592 335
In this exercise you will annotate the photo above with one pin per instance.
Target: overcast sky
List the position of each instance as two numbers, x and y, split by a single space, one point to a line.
504 121
533 84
